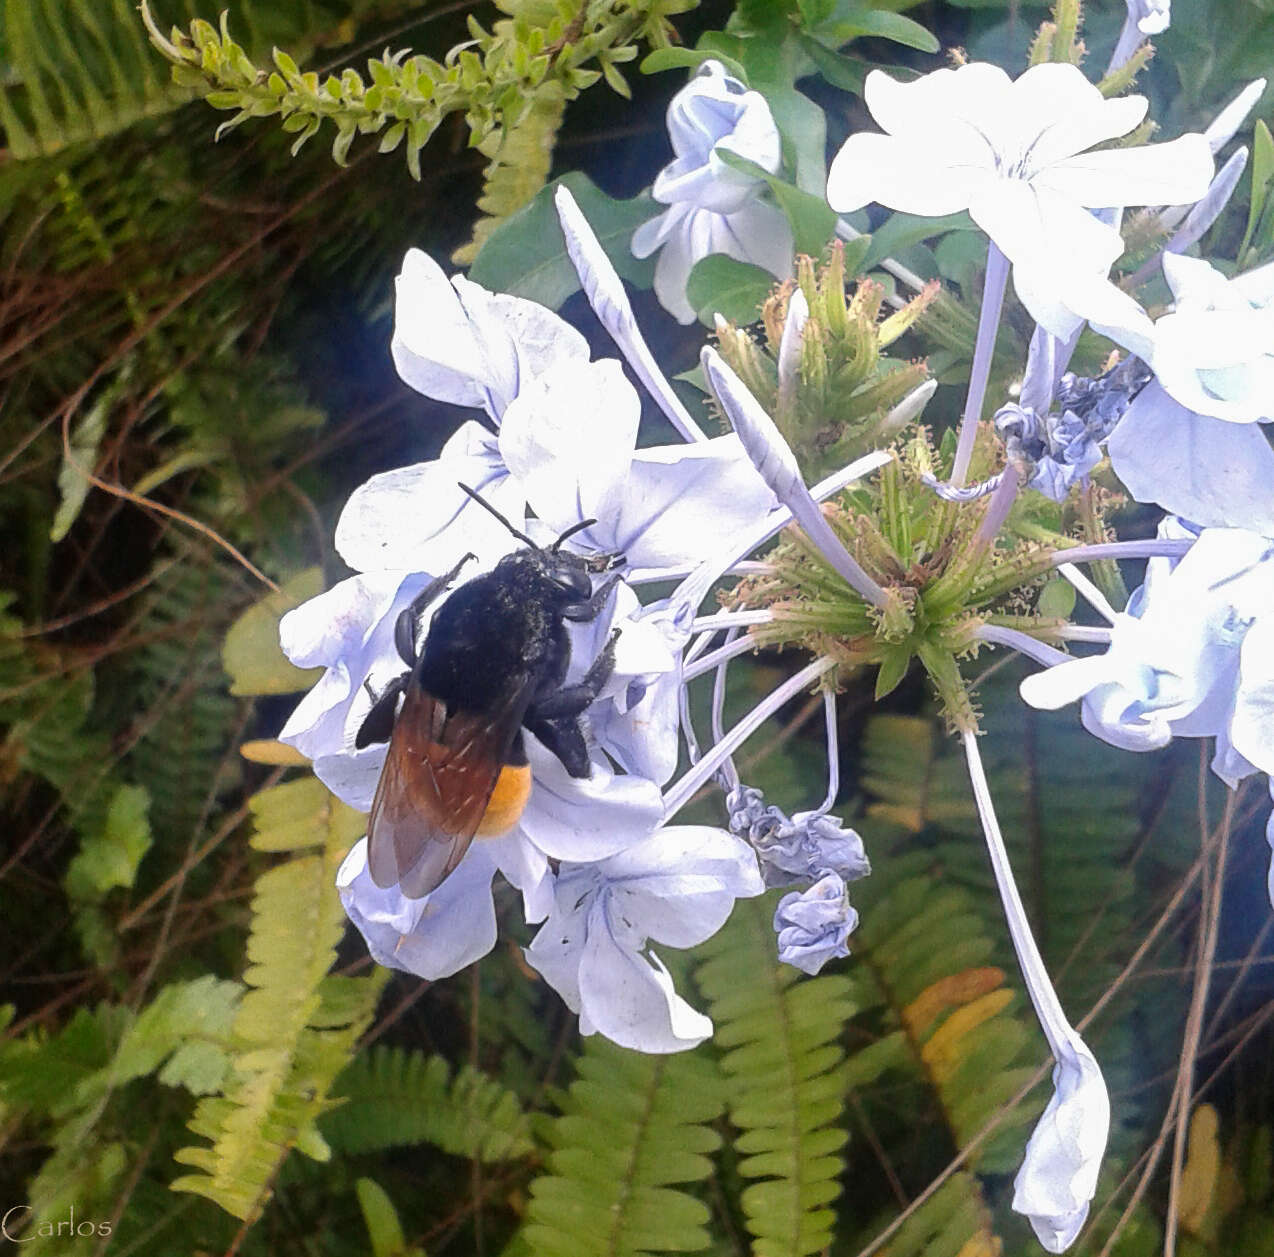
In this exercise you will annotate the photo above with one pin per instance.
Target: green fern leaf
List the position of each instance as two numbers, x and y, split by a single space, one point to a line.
394 1097
295 1028
519 168
631 1126
781 1058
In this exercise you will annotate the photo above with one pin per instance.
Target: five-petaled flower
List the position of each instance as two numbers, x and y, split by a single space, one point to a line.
1015 155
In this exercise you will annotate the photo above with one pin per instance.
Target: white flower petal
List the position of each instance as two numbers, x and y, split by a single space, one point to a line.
569 438
1252 724
434 346
898 173
1147 174
397 518
1058 1176
1060 113
589 818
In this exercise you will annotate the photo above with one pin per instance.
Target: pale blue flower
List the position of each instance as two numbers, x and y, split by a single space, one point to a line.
800 848
813 926
1056 450
677 887
1190 657
1014 154
714 208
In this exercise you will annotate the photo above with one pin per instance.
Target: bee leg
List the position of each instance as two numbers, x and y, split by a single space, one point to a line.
563 736
555 718
592 607
406 625
571 700
378 724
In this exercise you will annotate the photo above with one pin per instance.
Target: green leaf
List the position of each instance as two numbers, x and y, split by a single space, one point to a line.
1262 176
689 58
384 1231
847 73
252 654
813 221
735 290
109 859
900 231
77 465
882 24
1056 598
526 255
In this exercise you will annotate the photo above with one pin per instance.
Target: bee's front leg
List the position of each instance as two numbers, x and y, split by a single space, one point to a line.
378 724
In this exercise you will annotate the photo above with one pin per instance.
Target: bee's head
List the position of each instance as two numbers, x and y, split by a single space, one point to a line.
567 571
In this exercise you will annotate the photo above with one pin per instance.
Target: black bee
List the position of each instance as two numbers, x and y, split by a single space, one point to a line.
493 663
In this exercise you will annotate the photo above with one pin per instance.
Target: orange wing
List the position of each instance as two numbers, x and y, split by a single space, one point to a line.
438 778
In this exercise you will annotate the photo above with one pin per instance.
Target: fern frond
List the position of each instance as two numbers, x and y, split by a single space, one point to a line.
954 1220
519 168
949 1018
393 1097
295 1028
631 1126
779 1033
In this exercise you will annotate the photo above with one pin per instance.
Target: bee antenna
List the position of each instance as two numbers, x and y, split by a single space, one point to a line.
481 501
570 532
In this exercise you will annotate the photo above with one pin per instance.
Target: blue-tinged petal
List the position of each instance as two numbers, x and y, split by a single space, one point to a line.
434 346
1252 724
352 774
458 343
589 818
680 500
679 886
432 937
418 516
347 629
1215 473
1058 1176
629 997
569 440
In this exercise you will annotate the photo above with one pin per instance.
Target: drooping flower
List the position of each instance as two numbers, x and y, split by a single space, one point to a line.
1058 1175
677 887
1014 154
1190 657
714 208
814 925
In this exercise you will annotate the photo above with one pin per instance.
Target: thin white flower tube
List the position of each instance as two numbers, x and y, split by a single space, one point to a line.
680 793
773 458
1058 1176
1023 643
605 292
1090 593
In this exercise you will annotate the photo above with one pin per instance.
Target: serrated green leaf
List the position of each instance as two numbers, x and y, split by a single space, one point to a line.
109 859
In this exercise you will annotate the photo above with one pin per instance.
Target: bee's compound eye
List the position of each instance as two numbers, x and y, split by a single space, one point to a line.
575 582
